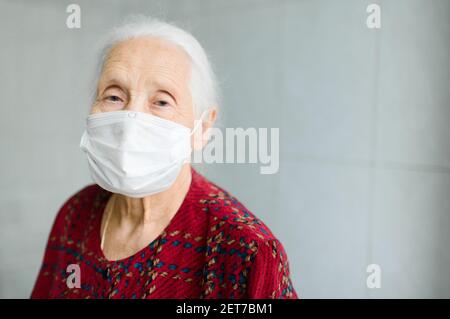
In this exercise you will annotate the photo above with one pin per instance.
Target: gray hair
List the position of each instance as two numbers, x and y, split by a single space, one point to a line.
203 84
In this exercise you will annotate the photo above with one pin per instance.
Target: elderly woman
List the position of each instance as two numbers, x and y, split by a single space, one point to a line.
151 226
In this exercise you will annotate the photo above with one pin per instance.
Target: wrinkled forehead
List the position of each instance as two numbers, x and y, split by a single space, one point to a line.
146 58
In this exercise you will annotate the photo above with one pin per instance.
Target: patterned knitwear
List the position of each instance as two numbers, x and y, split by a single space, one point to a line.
212 248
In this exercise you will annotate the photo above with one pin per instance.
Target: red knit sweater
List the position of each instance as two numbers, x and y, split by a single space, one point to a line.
212 248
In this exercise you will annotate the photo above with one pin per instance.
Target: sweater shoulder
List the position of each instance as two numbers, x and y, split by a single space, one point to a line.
230 217
78 209
85 198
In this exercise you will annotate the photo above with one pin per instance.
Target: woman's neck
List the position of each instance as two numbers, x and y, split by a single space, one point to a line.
154 208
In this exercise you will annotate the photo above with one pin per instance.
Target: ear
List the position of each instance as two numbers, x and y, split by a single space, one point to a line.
201 136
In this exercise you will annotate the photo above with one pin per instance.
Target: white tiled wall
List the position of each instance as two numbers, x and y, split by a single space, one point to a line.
365 143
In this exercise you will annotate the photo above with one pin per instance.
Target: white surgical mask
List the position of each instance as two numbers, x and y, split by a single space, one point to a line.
133 153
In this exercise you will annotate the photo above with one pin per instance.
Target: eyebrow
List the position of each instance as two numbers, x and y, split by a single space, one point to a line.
166 87
168 93
113 82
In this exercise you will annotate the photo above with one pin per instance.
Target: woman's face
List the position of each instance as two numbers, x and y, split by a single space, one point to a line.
147 75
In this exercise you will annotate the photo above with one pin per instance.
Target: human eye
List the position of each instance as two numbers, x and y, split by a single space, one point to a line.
163 99
162 103
113 98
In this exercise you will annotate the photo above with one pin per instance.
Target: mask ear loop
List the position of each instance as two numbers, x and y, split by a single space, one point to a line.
199 122
197 125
